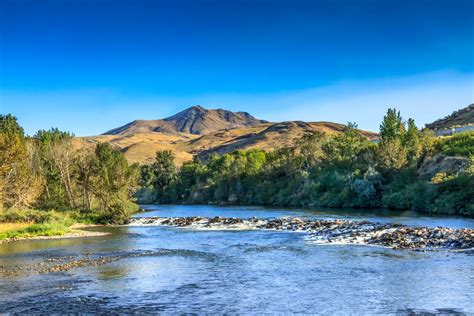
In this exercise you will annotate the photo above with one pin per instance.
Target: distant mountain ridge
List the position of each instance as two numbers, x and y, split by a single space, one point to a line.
200 132
461 117
194 120
197 131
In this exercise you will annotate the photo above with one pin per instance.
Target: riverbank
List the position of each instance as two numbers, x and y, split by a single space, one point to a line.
71 234
10 232
29 224
395 236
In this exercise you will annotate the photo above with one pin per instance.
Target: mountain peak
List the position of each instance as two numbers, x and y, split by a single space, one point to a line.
196 108
193 120
187 113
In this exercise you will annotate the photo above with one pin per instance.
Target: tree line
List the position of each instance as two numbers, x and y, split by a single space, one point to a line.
345 170
49 172
52 171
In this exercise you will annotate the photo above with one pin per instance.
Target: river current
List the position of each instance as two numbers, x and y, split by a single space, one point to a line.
150 269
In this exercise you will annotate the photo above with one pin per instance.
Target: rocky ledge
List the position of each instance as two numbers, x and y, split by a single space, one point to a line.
320 231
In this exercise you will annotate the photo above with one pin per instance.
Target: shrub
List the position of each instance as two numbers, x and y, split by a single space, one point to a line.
461 144
33 216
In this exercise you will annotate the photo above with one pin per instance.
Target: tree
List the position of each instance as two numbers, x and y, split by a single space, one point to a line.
114 181
392 126
57 163
187 179
84 162
392 152
310 148
18 181
344 150
164 172
392 155
411 141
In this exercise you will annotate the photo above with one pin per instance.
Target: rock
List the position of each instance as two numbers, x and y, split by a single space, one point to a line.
395 235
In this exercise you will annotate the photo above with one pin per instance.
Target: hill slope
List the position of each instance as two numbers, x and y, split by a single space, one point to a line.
194 120
141 147
202 132
461 117
268 136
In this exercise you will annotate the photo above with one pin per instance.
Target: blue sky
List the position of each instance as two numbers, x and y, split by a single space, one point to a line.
88 66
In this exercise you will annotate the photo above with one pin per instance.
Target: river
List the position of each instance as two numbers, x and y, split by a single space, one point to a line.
168 269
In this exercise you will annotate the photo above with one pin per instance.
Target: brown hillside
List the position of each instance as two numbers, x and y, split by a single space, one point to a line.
194 120
141 147
271 136
461 117
197 131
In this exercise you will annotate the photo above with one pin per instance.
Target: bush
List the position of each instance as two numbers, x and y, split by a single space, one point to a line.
119 214
455 196
461 144
33 216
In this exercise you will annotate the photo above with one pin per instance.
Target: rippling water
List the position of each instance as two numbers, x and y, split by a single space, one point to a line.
182 270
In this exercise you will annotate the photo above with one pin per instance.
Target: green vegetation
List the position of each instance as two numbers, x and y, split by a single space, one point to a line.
461 144
35 216
29 223
48 172
49 182
346 170
46 229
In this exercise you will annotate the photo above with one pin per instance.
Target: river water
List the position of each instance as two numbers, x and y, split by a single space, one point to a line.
167 269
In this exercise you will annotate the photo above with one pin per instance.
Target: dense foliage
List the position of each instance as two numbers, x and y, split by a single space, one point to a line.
461 144
345 170
49 172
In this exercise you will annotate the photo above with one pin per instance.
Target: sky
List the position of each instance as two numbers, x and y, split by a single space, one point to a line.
88 66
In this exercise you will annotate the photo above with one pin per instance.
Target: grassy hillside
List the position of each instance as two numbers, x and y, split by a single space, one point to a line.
141 147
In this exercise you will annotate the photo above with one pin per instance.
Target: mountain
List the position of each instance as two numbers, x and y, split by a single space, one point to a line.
194 120
141 147
202 132
461 117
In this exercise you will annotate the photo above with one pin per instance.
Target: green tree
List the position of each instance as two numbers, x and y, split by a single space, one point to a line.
18 181
164 173
114 181
412 143
344 151
392 126
392 152
57 167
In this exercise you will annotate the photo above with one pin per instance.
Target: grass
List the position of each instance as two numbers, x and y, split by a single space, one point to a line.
4 227
26 223
24 230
